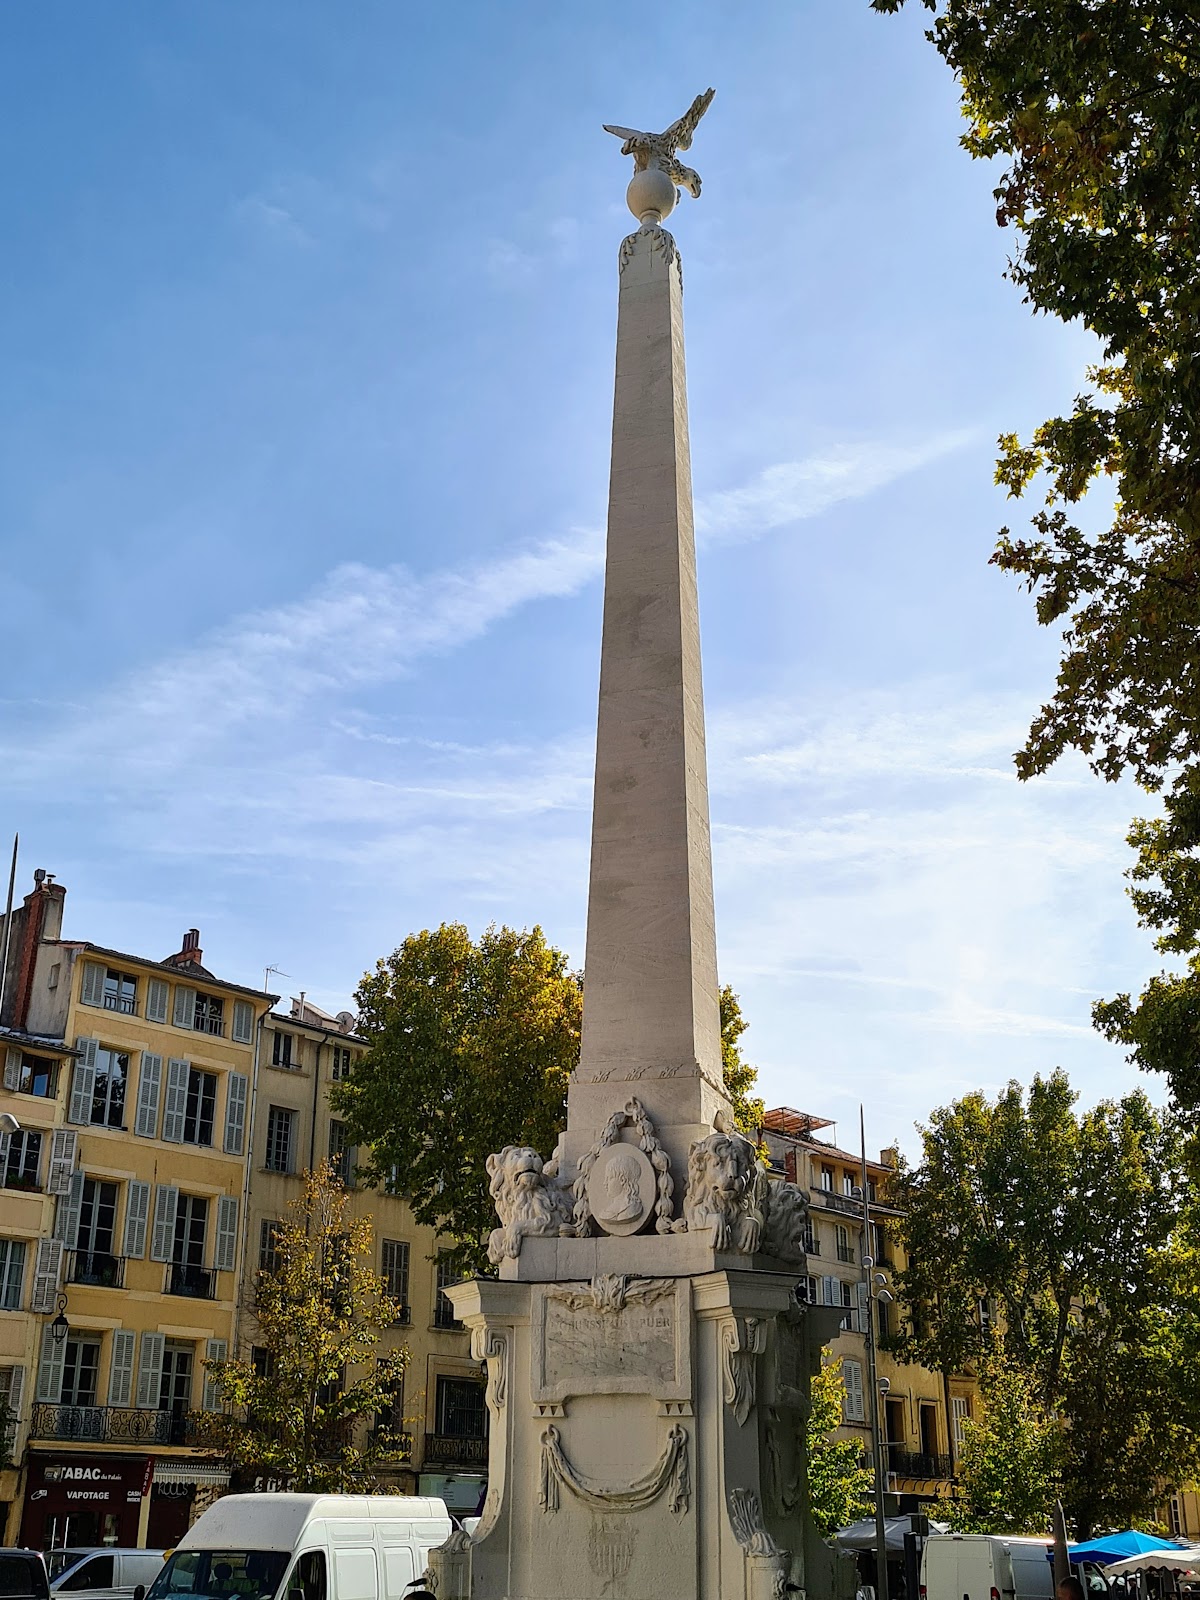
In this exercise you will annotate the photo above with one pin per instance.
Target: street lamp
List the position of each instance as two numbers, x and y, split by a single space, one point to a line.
874 1289
60 1327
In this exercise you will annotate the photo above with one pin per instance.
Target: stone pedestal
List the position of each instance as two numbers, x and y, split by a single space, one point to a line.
647 1440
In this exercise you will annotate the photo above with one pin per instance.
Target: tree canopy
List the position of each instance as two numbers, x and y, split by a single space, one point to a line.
740 1077
1068 1232
471 1046
1010 1460
300 1409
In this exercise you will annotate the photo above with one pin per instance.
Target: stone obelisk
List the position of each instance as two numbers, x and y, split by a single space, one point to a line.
647 1357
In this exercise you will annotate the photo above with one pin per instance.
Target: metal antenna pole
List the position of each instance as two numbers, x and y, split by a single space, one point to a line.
8 908
873 1376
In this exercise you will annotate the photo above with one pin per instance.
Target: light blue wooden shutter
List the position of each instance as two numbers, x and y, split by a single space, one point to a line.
12 1068
236 1085
83 1081
120 1372
225 1247
150 1363
157 995
66 1212
91 987
137 1215
185 1007
243 1021
852 1377
166 1204
149 1091
215 1350
15 1393
64 1150
50 1368
47 1272
175 1104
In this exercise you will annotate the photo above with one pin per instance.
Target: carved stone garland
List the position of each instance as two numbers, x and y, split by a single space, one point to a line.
659 239
671 1470
634 1116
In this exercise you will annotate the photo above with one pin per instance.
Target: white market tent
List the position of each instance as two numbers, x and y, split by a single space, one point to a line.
1158 1561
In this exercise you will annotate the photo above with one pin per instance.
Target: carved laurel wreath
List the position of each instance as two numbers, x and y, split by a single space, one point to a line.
659 239
634 1116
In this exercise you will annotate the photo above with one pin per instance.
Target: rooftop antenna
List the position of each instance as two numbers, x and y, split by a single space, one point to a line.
279 973
12 884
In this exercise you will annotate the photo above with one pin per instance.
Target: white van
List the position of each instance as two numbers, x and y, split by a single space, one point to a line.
990 1566
103 1573
304 1547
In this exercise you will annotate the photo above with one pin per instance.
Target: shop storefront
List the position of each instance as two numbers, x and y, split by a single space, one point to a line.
180 1491
83 1500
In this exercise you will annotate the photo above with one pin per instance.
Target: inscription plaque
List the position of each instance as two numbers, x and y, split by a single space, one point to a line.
642 1346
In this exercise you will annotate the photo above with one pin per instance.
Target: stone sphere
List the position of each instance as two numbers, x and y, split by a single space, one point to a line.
651 195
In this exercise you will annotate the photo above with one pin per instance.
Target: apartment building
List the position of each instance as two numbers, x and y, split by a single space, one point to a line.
921 1413
122 1194
305 1052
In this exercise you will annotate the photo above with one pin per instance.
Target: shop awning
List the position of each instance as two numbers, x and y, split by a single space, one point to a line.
190 1472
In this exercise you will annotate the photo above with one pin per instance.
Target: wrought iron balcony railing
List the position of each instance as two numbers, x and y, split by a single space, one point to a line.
109 1424
98 1268
444 1450
916 1464
197 1283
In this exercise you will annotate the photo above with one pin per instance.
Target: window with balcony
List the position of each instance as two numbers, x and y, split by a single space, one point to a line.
12 1273
119 992
443 1311
23 1160
394 1261
188 1275
201 1107
37 1075
460 1410
845 1250
175 1387
281 1050
341 1063
81 1367
108 1090
827 1179
94 1262
210 1014
281 1127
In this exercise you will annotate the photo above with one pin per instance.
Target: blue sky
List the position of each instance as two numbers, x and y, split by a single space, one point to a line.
309 316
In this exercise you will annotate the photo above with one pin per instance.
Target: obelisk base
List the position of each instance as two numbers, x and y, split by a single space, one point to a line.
647 1441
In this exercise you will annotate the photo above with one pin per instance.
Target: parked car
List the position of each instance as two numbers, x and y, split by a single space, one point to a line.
304 1547
23 1575
104 1573
988 1566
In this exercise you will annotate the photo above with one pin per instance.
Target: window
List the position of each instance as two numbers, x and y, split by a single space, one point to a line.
308 1581
853 1408
268 1245
280 1126
38 1075
827 1179
1175 1516
395 1271
341 1063
339 1152
845 1250
210 1014
281 1050
175 1387
960 1412
812 1290
443 1311
94 1259
12 1273
81 1364
461 1413
389 1420
847 1184
120 992
96 1572
201 1107
24 1157
263 1361
108 1091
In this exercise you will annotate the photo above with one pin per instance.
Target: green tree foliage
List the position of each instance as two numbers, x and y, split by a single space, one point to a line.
472 1043
740 1076
1009 1463
1093 108
840 1487
1065 1229
301 1414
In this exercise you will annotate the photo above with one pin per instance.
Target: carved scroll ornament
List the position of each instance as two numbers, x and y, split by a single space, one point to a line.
743 1340
750 1531
670 1472
491 1346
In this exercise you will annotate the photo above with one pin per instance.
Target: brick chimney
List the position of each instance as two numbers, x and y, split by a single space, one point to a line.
189 954
39 917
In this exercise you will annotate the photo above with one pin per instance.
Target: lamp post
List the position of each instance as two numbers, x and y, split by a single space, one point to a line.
875 1289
